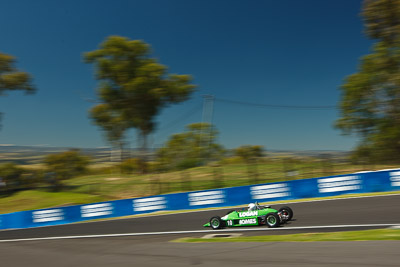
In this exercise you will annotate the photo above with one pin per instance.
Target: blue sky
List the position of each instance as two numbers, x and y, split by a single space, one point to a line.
257 51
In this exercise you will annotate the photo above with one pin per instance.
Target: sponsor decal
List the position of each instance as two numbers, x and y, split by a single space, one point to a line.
247 221
270 191
248 213
339 184
206 198
95 210
47 215
395 178
150 203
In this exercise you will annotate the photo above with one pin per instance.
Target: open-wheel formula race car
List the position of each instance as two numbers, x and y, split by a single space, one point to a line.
255 214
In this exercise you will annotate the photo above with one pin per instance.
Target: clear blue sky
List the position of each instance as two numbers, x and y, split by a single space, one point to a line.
259 51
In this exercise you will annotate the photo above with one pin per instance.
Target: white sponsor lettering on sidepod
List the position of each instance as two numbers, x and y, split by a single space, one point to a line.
247 221
248 213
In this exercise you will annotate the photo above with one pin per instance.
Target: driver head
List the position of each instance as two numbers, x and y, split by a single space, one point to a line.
252 206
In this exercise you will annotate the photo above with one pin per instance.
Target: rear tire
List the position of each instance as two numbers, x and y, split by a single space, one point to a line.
272 220
286 213
216 223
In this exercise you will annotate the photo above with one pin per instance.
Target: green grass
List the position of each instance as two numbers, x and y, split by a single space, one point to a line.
113 185
35 199
366 235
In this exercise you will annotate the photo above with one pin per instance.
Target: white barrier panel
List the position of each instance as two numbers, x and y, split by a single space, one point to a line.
151 203
270 191
47 215
395 178
339 184
95 210
206 198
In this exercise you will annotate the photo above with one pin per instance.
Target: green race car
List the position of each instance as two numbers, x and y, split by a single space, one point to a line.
255 214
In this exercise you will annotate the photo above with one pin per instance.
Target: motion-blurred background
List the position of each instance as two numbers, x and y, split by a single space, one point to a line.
105 100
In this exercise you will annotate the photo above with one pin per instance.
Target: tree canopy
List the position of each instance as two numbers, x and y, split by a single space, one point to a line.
12 79
249 153
133 87
370 102
191 148
65 165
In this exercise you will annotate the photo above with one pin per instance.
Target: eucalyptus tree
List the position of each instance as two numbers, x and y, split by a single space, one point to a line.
65 165
191 148
113 125
370 103
12 79
133 86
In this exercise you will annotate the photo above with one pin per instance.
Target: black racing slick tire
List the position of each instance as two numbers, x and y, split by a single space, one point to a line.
272 220
216 223
286 213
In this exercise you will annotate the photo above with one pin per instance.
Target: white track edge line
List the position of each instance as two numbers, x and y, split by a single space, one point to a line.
195 231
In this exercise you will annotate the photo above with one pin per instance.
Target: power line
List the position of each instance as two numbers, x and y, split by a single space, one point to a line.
235 102
185 116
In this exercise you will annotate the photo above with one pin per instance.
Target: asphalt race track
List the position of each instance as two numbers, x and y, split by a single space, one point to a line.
142 246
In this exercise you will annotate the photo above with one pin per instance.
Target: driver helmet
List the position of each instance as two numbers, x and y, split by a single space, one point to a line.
252 206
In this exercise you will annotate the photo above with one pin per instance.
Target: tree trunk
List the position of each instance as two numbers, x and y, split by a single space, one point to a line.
121 151
142 140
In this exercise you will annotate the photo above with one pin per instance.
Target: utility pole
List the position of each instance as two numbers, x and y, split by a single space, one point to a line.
208 110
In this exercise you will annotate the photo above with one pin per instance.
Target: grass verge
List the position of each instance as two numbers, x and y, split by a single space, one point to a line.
36 199
365 235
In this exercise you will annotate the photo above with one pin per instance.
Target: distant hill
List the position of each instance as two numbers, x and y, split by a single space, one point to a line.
27 155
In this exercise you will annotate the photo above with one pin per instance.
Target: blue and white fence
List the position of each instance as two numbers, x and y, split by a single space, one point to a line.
378 181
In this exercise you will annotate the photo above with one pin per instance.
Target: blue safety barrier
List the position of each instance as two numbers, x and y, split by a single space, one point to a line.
363 182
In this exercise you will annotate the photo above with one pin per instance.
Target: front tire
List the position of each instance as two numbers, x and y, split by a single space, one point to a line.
216 223
286 213
272 220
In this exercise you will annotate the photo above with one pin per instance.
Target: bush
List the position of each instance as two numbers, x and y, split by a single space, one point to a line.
187 164
11 176
130 165
232 160
65 165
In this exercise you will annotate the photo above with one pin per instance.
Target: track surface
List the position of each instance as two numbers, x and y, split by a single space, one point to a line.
370 210
156 250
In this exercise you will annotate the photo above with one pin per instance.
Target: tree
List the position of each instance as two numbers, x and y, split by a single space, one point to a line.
12 79
250 154
113 125
370 102
11 175
191 148
65 165
135 87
